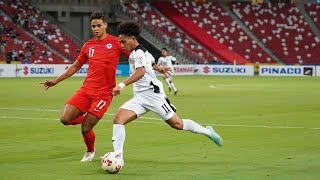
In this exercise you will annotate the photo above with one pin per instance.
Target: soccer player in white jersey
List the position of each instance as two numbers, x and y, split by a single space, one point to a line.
166 61
148 92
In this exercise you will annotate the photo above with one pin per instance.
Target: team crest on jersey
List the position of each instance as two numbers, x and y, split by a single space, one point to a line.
109 46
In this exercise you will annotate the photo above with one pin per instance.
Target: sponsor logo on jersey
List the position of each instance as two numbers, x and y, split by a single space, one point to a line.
109 46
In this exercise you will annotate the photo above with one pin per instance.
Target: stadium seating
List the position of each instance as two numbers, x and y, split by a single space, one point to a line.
217 22
33 51
170 33
200 34
314 12
32 20
283 29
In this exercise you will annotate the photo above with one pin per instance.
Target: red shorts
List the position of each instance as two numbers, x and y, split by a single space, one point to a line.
92 101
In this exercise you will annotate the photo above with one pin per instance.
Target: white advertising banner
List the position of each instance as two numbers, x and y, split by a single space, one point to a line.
184 69
39 70
82 71
8 70
46 70
317 70
286 70
54 70
224 70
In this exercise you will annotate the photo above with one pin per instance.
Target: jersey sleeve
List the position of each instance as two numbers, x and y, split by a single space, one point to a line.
173 58
139 59
82 57
153 60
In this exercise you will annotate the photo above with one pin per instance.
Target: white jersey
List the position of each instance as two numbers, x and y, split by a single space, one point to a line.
140 57
166 61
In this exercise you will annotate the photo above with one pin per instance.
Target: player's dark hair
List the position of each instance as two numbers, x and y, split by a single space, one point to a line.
129 28
164 49
98 15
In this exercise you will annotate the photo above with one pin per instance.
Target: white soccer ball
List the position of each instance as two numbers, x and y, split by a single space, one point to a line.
111 162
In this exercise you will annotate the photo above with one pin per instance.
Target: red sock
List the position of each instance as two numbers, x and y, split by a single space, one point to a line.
89 139
76 121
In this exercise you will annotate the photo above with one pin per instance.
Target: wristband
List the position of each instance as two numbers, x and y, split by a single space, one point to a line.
122 85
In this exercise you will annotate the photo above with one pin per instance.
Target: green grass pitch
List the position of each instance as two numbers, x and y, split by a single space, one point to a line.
270 127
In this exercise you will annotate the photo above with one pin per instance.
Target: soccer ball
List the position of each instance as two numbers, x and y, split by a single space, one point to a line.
111 162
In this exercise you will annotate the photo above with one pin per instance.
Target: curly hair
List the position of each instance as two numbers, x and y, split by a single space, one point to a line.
97 15
129 28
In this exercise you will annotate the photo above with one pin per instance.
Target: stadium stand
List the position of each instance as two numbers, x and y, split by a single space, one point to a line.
199 34
202 30
314 12
283 29
32 20
217 22
171 34
22 47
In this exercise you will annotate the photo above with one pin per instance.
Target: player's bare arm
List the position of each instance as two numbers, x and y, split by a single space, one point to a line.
175 64
70 71
166 71
138 74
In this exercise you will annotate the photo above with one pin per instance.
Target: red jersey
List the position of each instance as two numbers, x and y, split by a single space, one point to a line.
103 57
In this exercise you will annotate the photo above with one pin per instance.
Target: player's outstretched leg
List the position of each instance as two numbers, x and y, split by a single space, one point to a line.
215 137
190 125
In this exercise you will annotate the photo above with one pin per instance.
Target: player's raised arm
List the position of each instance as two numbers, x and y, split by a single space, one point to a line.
69 72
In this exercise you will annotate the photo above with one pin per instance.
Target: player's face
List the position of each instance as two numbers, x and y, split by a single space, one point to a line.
98 28
164 53
128 43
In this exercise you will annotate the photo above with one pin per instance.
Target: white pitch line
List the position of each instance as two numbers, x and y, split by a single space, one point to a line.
221 85
158 119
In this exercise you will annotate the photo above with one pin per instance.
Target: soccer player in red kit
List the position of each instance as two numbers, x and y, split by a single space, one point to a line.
88 105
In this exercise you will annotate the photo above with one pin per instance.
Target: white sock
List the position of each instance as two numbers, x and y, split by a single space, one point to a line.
173 87
190 125
168 82
118 137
